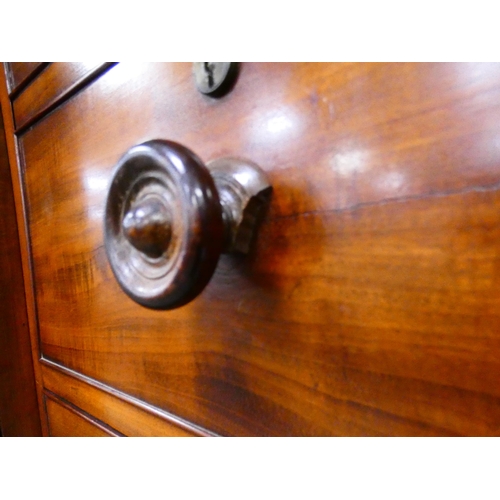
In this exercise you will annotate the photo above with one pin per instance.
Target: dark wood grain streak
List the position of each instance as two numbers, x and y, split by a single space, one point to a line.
67 420
370 304
126 415
17 299
57 83
21 73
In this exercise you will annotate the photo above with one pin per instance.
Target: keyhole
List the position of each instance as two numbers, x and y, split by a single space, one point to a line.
209 70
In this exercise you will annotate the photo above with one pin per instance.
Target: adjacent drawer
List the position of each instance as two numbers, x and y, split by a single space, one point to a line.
57 82
19 73
125 417
66 420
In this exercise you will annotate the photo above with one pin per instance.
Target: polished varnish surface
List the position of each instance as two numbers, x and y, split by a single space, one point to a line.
370 304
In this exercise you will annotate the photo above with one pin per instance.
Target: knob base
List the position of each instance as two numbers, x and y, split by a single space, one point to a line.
244 193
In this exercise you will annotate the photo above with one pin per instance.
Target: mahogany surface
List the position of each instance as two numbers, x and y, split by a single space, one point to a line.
370 304
18 403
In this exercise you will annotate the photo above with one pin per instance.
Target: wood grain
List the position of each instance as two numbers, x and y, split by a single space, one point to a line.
21 73
66 420
370 304
59 81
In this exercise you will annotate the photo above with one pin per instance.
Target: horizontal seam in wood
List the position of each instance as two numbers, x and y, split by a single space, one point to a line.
388 201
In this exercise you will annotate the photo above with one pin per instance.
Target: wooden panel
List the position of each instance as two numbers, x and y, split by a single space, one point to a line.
18 402
66 420
56 83
20 73
126 418
370 305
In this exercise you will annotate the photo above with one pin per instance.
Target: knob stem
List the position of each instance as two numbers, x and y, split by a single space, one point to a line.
244 193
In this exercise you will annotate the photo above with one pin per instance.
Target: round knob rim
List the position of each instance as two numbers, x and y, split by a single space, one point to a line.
169 172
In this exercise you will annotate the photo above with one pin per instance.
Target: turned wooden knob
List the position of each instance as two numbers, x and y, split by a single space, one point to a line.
169 217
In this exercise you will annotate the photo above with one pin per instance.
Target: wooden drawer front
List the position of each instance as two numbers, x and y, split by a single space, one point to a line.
66 420
54 85
19 73
370 304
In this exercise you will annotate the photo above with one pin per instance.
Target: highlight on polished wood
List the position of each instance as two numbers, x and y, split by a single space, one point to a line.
369 303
